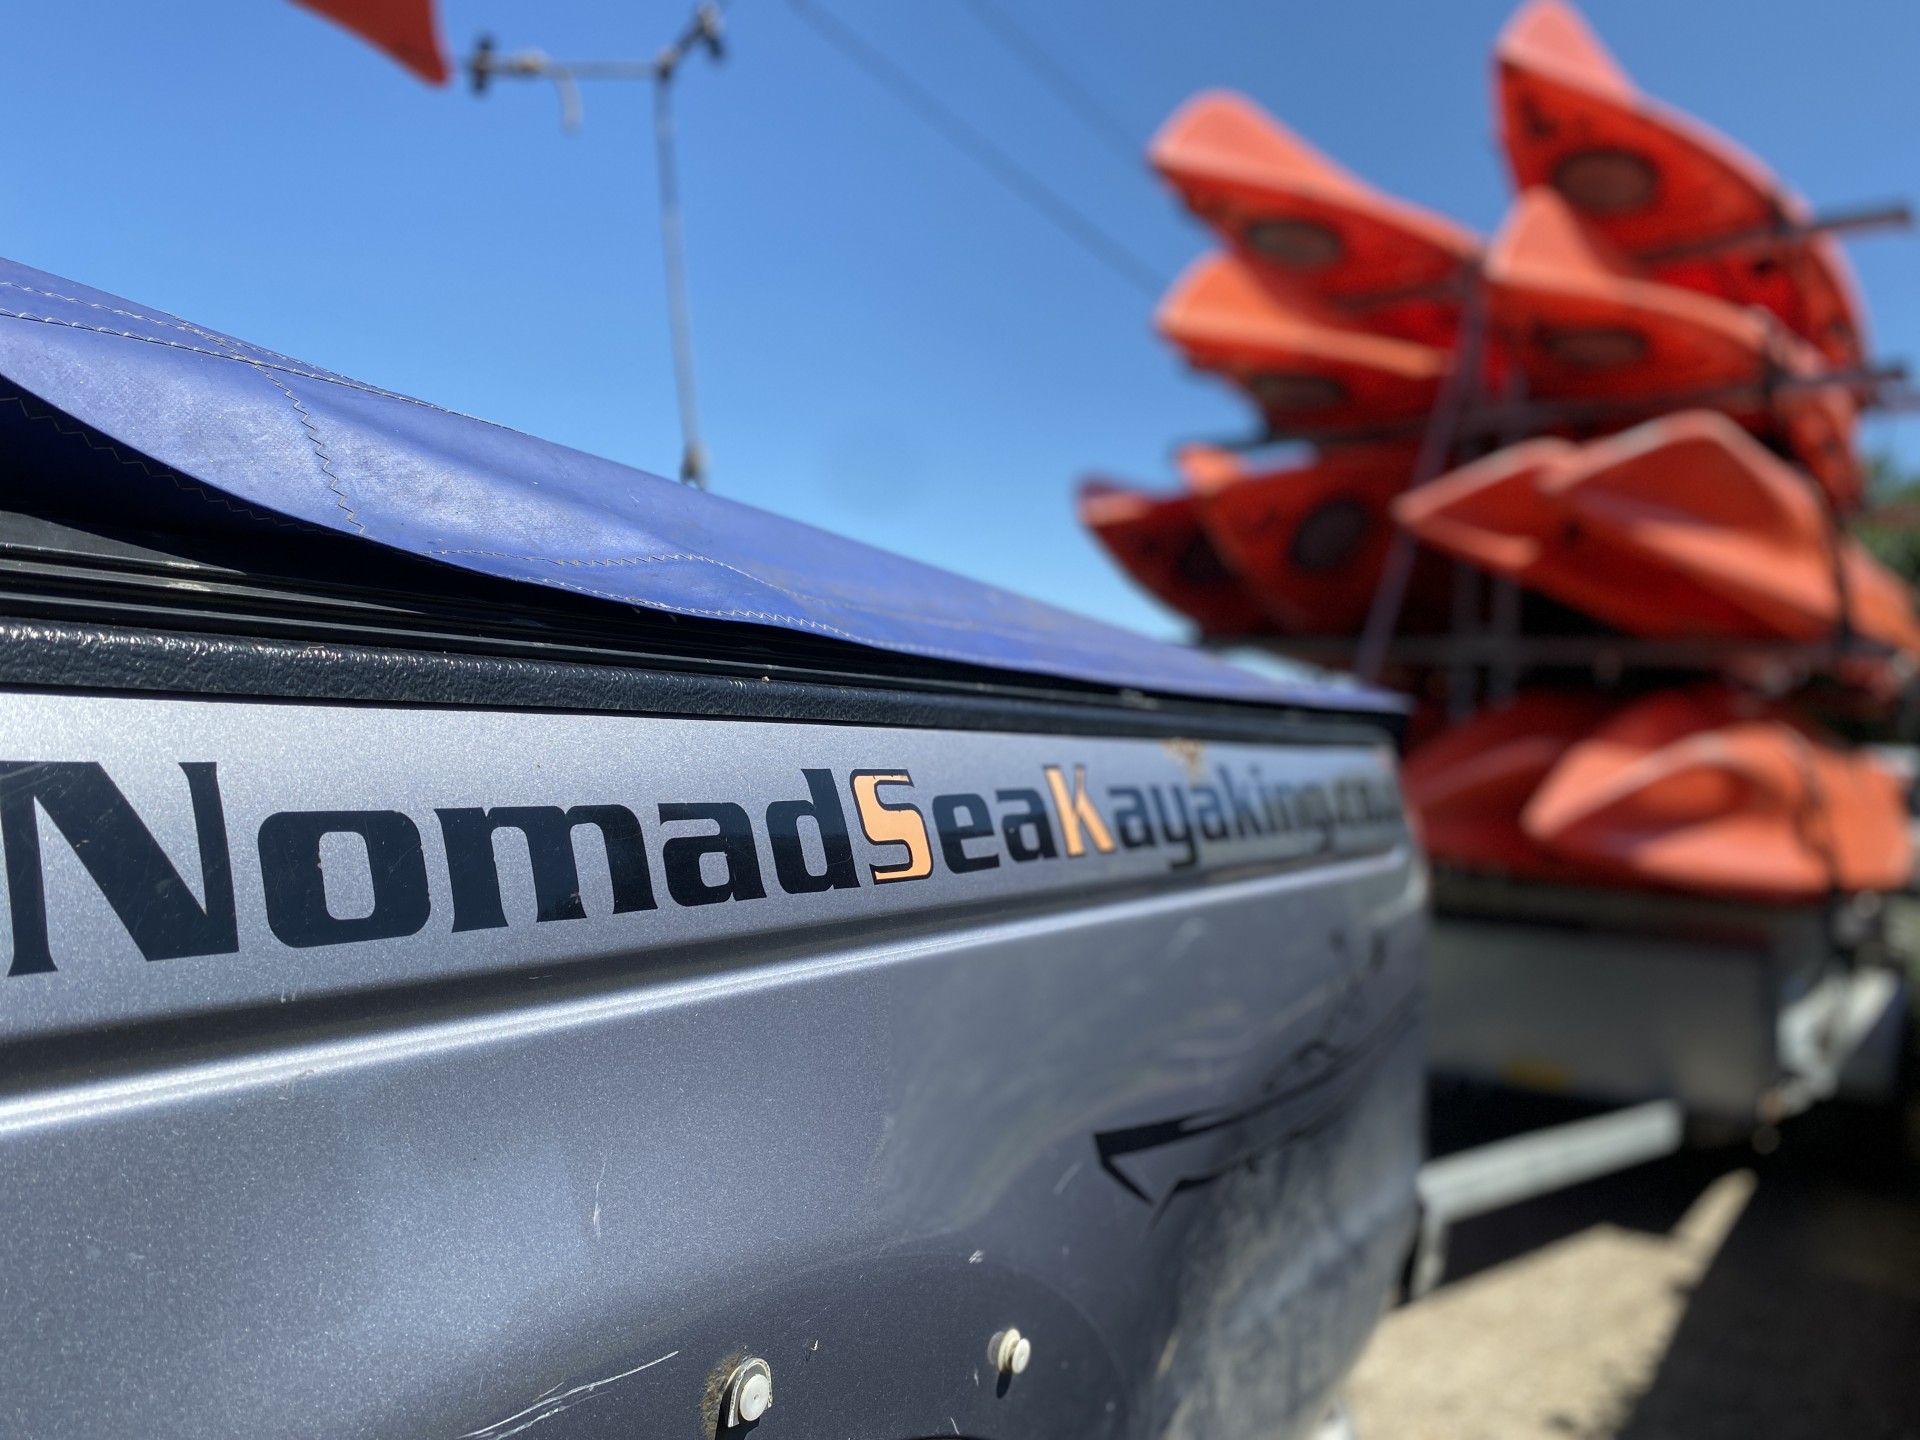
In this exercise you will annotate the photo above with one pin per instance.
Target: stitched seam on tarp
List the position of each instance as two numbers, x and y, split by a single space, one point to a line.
340 499
305 373
319 450
231 353
285 363
171 322
912 616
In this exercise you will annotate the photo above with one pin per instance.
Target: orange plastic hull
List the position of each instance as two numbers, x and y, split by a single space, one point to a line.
1697 494
1652 179
1284 205
1685 527
1308 541
405 29
1309 370
1158 540
1701 791
1582 324
1469 784
1495 514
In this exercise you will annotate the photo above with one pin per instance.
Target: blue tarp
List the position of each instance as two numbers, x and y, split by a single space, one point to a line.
293 439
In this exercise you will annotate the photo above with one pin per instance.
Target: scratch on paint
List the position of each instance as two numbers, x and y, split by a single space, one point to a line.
1066 1179
976 1257
550 1404
956 1424
595 1217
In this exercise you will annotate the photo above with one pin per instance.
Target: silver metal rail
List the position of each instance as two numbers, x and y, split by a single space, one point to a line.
1491 1177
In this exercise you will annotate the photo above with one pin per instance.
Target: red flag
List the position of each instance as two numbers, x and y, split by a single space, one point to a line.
405 29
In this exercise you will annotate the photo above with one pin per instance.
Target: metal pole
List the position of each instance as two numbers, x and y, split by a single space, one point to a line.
704 30
693 457
1463 675
1874 217
1436 448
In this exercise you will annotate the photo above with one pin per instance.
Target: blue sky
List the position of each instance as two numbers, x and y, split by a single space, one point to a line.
889 344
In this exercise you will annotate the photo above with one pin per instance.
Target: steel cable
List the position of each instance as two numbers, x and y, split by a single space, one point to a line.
1055 78
990 157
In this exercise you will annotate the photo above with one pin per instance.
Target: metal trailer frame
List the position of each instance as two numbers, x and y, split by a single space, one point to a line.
1704 1020
1743 1014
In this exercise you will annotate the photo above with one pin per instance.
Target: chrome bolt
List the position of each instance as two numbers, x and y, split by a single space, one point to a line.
749 1392
1009 1351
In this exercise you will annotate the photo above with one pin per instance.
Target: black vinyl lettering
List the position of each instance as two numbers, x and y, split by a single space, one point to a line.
1275 800
783 831
1209 813
681 855
1182 836
474 876
956 831
1015 825
296 890
1349 802
120 853
1377 801
1241 802
1311 811
1130 817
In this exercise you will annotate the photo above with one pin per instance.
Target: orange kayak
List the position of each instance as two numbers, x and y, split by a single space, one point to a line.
1310 540
1495 513
1701 790
1157 539
1698 494
1309 368
1285 205
1470 783
1582 323
405 29
1655 181
1682 527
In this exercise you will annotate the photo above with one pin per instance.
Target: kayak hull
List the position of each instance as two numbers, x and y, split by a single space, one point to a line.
1706 791
1284 206
1308 370
1309 541
1582 323
1698 790
1685 527
1469 784
1497 514
1159 540
1655 181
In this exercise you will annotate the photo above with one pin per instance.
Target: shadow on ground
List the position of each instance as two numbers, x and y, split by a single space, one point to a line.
1804 1323
1806 1326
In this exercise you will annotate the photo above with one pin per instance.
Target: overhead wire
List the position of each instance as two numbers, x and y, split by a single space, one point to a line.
1014 177
1055 78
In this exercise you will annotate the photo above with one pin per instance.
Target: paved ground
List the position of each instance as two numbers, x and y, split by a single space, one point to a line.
1718 1295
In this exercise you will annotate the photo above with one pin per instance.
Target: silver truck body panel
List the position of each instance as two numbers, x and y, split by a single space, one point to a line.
1157 1104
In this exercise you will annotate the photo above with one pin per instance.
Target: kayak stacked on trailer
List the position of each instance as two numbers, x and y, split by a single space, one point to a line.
1585 491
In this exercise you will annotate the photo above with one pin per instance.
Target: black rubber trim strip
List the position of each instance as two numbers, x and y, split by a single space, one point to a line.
63 656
